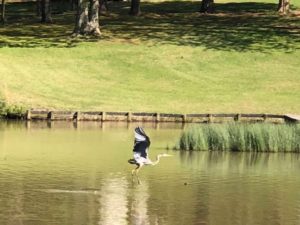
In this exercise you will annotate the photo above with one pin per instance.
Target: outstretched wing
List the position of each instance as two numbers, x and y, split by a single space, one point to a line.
140 134
141 142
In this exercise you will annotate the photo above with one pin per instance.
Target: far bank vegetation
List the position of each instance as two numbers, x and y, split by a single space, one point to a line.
248 137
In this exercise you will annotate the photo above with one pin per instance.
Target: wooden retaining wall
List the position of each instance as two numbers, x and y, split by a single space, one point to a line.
35 114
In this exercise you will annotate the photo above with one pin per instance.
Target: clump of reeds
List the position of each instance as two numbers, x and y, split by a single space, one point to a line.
257 137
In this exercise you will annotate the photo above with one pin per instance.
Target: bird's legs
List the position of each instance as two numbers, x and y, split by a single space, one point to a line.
132 174
135 172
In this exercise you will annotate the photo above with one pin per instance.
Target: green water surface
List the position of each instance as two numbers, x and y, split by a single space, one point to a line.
64 173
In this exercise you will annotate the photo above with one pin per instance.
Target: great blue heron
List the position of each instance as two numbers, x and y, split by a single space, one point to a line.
140 152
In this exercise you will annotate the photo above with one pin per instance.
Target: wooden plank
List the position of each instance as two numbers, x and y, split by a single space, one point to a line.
92 113
252 115
292 118
175 115
63 112
143 114
39 116
196 115
223 115
274 116
91 116
117 113
43 114
39 111
61 115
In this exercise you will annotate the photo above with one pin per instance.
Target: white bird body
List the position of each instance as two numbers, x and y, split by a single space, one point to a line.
140 165
140 149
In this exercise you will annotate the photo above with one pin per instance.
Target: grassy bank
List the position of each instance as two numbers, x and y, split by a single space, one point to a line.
244 58
241 137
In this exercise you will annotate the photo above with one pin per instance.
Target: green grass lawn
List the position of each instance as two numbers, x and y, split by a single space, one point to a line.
243 58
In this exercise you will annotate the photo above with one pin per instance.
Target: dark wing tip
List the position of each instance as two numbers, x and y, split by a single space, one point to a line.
140 131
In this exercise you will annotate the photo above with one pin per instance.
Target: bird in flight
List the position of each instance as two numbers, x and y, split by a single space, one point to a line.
140 152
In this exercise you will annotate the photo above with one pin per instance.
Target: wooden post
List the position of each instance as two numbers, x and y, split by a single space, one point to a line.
210 118
157 119
184 118
265 117
237 117
129 115
28 114
51 115
78 116
103 116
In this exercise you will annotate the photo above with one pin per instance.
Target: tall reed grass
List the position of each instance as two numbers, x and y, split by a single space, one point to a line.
241 137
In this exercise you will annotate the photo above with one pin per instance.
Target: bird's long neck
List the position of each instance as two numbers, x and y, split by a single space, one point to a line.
157 159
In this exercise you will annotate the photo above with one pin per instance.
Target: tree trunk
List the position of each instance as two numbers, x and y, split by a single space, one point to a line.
93 24
135 9
284 6
38 8
207 6
46 11
103 8
3 19
73 4
87 18
81 17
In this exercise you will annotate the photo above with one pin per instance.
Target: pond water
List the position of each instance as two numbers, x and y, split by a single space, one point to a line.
77 174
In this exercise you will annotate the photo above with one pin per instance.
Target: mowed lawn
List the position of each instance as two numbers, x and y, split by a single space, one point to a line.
243 58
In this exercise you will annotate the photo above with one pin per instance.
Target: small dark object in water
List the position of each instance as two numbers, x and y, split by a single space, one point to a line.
132 161
185 183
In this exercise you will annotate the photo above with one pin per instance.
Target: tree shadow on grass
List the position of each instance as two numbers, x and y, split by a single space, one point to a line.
24 29
233 27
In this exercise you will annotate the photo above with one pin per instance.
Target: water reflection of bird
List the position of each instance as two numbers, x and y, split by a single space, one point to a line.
140 152
113 201
138 207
